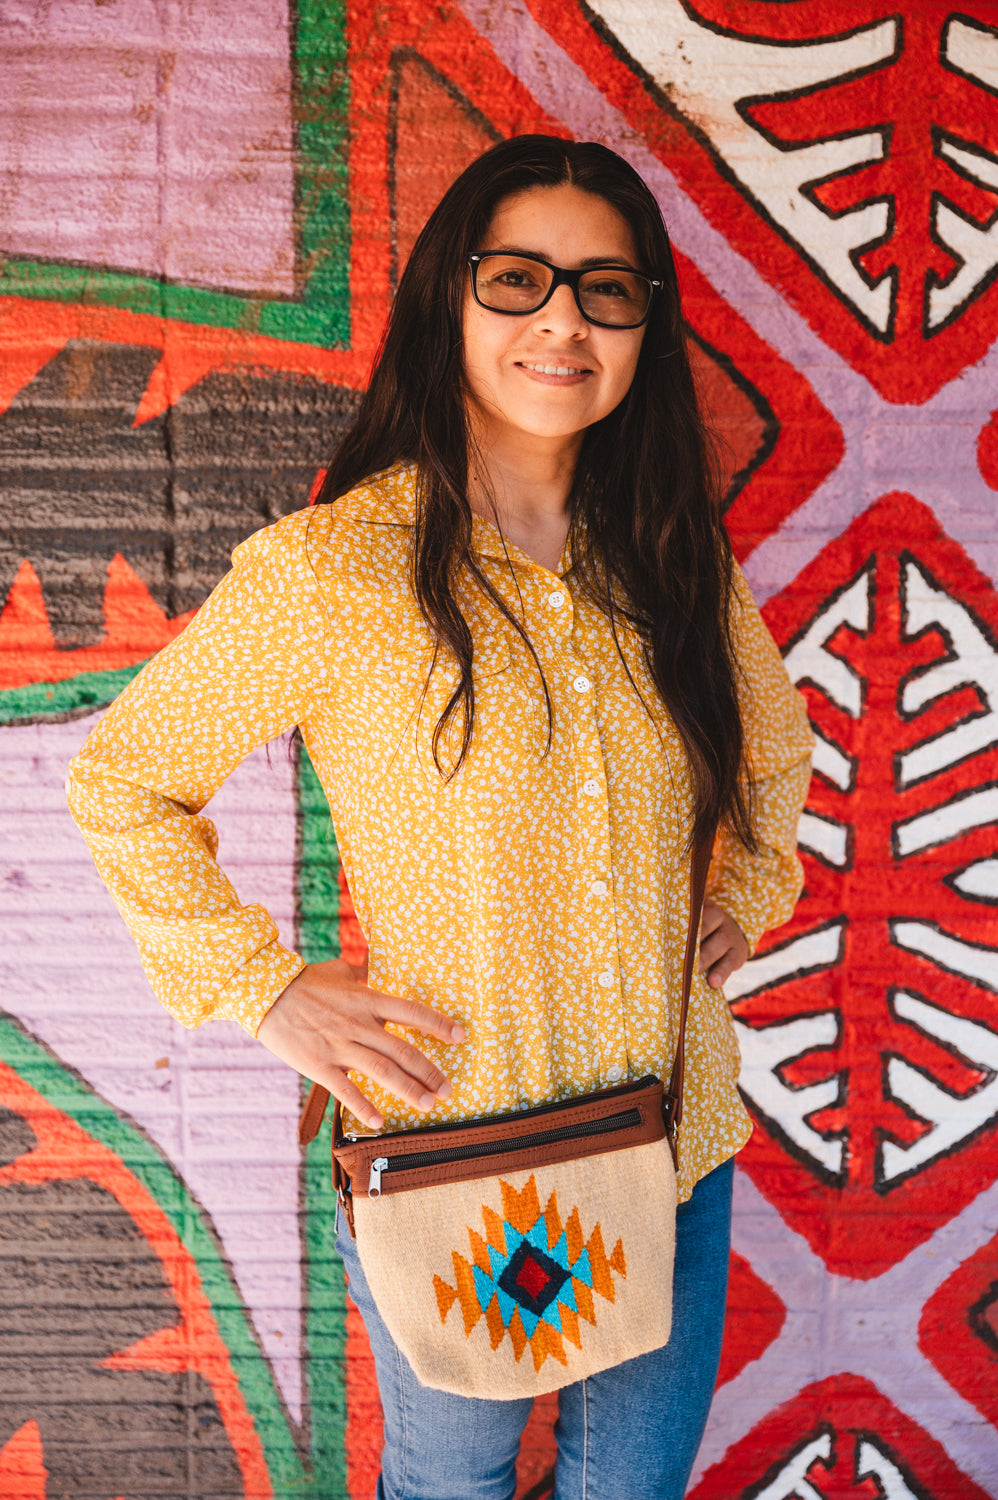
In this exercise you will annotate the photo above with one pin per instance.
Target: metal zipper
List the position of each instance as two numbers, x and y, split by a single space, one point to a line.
413 1161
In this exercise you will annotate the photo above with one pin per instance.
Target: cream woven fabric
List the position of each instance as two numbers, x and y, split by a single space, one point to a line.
512 1286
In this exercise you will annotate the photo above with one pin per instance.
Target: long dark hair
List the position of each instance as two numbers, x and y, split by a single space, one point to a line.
648 544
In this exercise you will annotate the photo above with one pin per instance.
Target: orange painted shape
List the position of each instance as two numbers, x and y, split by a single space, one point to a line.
166 1349
599 1265
617 1261
446 1297
494 1231
552 1219
134 628
353 943
480 1252
570 1325
65 1151
522 1209
496 1326
517 1334
26 348
465 1277
547 1341
22 1466
584 1301
574 1237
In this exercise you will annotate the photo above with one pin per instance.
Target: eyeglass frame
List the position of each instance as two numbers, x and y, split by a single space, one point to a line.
561 277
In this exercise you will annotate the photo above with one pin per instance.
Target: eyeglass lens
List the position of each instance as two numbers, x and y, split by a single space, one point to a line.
611 295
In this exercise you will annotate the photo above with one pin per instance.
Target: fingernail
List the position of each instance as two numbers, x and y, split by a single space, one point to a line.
374 1122
458 1034
445 1090
426 1101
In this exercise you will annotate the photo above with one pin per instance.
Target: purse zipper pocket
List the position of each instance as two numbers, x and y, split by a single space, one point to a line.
408 1162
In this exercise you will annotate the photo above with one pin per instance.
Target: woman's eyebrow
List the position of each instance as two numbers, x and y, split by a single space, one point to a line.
590 260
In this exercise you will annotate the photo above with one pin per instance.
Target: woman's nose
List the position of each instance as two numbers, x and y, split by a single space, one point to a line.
561 315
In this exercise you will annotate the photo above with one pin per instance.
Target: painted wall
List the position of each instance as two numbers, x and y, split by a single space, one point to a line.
203 210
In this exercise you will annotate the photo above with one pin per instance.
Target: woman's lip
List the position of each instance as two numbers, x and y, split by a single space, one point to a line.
578 374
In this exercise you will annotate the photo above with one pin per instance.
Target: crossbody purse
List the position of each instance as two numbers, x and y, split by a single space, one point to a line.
512 1255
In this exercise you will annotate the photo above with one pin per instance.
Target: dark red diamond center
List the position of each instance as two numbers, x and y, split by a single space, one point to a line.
532 1277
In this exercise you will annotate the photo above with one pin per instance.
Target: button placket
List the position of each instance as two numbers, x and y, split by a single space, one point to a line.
594 829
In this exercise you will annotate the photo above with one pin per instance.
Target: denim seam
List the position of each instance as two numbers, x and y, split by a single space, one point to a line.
585 1440
403 1403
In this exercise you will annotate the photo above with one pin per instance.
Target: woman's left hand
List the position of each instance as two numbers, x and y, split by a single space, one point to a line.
723 945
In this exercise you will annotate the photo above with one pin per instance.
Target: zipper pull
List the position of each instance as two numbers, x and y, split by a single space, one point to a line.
378 1165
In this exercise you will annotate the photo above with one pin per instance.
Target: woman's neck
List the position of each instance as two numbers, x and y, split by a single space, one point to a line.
524 487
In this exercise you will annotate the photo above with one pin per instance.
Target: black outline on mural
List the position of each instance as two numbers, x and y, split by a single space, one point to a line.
770 424
970 791
956 937
869 567
661 97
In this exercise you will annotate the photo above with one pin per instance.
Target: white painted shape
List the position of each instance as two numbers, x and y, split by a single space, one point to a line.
224 1111
764 1050
975 245
976 963
825 837
979 879
814 950
949 821
706 75
974 664
972 50
810 659
872 1463
953 1118
792 1483
832 762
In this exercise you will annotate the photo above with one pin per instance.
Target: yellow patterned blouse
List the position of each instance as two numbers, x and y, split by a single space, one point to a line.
540 897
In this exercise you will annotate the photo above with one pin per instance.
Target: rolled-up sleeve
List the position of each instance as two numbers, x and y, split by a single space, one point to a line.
760 889
244 671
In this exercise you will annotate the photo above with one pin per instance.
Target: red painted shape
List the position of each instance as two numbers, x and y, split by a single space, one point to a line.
22 1465
753 1319
134 628
861 1223
958 1330
911 98
365 1426
532 1278
856 1433
65 1151
809 442
987 452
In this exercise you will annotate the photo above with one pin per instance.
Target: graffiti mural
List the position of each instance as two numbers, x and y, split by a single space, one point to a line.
204 212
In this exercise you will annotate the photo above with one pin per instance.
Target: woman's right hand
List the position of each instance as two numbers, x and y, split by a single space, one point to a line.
329 1021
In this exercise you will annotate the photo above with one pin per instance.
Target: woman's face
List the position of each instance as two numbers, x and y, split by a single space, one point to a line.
507 360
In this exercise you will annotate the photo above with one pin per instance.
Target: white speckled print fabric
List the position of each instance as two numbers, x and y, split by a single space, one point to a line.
541 896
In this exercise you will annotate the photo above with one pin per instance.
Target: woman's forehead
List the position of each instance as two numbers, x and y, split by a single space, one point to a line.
563 224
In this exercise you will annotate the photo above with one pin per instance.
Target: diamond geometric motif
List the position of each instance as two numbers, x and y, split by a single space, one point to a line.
532 1276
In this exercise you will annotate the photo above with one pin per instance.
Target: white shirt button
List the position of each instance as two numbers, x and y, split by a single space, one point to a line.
614 1074
581 684
556 600
598 887
591 787
605 979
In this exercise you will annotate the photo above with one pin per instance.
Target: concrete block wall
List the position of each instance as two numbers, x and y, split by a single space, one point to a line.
203 213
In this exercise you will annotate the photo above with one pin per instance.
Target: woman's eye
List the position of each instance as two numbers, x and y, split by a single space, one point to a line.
512 278
608 289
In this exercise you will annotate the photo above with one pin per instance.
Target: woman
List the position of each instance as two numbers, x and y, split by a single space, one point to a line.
526 670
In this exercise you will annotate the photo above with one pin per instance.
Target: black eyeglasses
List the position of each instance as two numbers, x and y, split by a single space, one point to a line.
609 296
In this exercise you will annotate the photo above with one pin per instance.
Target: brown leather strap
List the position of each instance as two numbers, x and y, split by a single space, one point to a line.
318 1097
699 867
312 1114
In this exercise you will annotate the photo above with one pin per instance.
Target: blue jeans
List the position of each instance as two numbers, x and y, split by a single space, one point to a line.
630 1433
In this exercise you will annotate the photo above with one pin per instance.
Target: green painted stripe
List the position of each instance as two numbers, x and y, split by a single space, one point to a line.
40 702
318 938
67 1092
321 314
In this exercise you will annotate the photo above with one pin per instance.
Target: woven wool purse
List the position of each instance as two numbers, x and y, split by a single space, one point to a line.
516 1254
